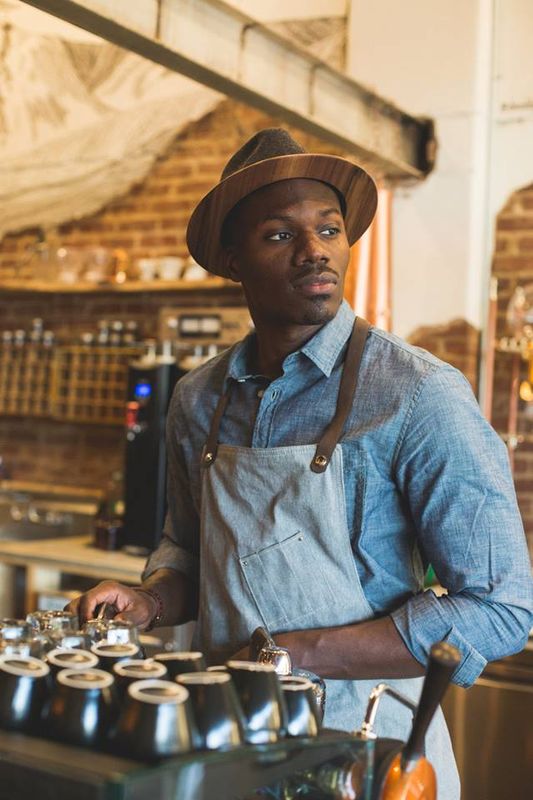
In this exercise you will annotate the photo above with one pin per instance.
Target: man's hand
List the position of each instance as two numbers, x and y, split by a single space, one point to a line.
134 606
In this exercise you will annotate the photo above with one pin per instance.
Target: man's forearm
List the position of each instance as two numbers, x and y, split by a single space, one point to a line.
177 599
371 649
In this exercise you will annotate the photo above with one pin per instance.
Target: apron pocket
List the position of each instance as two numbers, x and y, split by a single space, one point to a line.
286 582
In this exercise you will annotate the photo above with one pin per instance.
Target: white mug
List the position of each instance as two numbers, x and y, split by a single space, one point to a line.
147 268
170 268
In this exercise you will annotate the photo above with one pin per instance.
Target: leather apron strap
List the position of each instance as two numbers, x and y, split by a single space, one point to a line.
333 432
347 389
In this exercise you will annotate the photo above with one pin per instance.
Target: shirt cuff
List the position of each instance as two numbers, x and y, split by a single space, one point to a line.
421 626
169 555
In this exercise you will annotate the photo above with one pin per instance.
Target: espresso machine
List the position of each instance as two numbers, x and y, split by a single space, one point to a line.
187 338
293 763
151 381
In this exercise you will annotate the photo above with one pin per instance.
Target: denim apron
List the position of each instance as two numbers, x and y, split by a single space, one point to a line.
275 552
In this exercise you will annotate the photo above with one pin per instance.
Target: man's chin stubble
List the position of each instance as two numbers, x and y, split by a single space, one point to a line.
319 312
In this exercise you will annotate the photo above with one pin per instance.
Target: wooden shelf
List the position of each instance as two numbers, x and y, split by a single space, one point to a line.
130 286
54 489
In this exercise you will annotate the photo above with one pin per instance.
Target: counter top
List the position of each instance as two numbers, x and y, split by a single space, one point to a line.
73 555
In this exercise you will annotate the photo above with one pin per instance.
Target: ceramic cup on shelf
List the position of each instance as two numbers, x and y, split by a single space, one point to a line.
170 268
147 268
193 271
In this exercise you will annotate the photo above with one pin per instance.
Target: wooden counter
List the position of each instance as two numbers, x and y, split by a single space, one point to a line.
42 562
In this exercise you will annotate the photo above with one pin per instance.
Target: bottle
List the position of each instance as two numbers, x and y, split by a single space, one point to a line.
117 328
109 522
102 338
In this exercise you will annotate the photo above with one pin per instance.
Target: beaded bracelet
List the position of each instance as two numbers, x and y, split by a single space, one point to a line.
159 607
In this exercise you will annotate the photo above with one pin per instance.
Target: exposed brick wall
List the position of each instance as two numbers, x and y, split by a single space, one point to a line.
513 266
457 343
149 222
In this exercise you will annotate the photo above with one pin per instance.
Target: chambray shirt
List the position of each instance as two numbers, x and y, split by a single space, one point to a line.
426 480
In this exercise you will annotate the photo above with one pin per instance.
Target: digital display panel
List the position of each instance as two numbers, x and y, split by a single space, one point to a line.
142 390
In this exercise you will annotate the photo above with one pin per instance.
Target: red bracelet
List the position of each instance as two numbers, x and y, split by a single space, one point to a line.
159 607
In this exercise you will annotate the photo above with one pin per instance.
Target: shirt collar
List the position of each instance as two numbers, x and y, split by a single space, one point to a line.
240 358
323 349
326 345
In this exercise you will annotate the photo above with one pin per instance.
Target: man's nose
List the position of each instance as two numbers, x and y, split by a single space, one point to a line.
310 249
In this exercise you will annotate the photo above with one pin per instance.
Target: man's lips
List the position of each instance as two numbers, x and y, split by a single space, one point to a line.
317 284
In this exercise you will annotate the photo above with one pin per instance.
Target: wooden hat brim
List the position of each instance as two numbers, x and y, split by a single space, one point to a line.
205 225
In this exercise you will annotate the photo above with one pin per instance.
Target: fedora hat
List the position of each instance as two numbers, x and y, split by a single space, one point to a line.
272 155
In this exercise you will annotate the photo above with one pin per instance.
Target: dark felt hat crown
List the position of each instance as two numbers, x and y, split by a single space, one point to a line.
273 155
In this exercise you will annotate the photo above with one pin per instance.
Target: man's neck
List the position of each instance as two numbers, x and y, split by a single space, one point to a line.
274 344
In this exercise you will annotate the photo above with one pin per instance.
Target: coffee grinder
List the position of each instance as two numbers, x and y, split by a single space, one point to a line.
151 381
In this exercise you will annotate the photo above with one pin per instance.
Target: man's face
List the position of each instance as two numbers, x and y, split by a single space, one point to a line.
289 249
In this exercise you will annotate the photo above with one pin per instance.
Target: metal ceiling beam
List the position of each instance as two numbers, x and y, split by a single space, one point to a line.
222 48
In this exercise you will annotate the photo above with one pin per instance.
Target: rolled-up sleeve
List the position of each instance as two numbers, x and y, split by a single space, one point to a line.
453 472
179 545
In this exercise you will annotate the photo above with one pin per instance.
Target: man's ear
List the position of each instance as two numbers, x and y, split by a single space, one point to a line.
231 264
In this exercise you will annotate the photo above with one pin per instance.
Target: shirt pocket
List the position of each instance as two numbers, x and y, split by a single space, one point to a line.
287 582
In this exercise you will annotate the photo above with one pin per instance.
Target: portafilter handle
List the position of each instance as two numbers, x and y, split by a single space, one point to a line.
443 660
259 639
264 650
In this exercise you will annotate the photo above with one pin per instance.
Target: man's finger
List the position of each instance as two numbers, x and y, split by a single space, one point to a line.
103 593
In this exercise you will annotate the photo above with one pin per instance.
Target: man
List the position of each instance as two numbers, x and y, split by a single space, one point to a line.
314 474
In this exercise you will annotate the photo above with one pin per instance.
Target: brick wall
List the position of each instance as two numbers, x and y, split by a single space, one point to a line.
149 222
457 343
513 266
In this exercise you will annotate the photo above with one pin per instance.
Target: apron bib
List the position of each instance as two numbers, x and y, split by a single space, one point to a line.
275 552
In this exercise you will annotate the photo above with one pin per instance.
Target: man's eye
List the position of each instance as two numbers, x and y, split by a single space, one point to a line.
279 236
331 230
